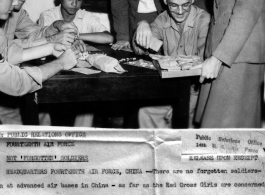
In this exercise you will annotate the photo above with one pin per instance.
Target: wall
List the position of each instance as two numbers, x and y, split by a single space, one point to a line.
35 7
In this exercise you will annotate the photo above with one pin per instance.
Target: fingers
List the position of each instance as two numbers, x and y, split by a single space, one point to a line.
143 38
68 39
82 45
63 47
201 79
120 45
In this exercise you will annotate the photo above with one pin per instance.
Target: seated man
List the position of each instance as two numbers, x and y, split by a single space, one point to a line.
90 29
88 24
127 14
183 29
20 25
30 34
16 81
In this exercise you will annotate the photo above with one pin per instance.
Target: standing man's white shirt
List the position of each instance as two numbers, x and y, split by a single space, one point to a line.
146 6
85 21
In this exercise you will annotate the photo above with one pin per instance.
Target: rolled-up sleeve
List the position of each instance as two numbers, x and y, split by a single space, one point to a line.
17 82
32 32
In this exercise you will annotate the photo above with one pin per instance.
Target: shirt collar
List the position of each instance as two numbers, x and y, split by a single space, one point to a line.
188 23
77 15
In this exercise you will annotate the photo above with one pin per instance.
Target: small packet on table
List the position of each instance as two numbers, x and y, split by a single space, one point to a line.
105 63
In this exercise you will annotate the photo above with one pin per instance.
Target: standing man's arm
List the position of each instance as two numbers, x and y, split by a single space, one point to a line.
244 17
120 12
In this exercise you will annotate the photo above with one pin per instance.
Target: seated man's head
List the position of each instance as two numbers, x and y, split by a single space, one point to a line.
19 5
70 7
179 9
6 7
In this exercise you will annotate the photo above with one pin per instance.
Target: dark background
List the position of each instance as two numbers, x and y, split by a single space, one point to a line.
104 5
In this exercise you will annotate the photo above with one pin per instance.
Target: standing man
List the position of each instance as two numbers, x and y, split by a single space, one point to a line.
127 14
183 29
233 74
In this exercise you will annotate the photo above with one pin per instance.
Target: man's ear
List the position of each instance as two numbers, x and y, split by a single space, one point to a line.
165 1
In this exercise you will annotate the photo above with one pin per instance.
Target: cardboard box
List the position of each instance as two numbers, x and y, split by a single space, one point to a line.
176 73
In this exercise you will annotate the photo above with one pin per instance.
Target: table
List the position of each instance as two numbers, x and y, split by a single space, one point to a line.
137 84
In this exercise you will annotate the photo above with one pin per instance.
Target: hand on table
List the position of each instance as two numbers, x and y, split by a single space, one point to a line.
121 44
210 68
143 34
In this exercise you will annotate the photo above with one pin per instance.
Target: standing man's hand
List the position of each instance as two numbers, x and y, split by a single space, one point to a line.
210 68
69 59
143 34
121 44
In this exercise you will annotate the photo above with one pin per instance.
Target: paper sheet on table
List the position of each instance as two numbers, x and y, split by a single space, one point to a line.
63 161
86 70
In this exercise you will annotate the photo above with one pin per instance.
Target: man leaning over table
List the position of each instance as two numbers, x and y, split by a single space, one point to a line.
29 34
183 29
17 81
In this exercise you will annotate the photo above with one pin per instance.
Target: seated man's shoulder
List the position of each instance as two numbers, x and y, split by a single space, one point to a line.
51 11
201 13
162 18
85 14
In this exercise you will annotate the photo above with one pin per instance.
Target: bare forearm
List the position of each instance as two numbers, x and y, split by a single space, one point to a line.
100 37
50 69
37 52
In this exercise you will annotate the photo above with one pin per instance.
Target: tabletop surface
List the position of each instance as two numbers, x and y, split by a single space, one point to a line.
132 70
137 83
